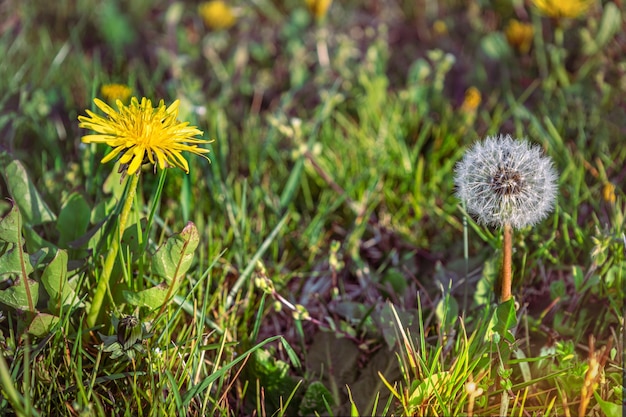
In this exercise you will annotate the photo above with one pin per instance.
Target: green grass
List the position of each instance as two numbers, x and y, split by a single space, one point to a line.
335 270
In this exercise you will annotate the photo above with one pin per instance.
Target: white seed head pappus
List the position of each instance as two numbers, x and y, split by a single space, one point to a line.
506 181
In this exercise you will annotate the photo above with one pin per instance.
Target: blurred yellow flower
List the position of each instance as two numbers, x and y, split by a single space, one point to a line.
114 92
139 133
318 8
608 192
217 15
519 35
472 99
440 28
563 8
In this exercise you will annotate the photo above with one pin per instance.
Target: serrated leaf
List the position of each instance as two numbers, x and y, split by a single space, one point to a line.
152 297
73 219
174 257
33 208
15 295
54 280
42 324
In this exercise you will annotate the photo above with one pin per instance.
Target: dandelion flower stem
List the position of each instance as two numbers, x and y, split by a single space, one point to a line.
506 262
109 262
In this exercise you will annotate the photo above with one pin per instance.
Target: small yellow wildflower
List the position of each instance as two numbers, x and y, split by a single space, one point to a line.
440 27
114 92
217 15
318 8
139 131
472 99
608 192
519 35
563 8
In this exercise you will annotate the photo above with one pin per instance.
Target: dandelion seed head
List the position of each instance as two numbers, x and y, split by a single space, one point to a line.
506 181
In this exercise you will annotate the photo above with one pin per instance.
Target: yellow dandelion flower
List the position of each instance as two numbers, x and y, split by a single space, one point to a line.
440 27
472 99
519 35
318 8
114 92
217 15
138 132
563 8
608 192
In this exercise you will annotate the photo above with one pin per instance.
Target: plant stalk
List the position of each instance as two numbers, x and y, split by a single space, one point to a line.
506 263
109 262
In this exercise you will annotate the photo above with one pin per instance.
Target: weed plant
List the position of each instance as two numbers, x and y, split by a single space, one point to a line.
321 262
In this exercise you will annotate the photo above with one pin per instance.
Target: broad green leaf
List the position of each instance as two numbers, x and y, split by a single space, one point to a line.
15 296
42 324
38 259
608 408
32 206
131 239
502 322
484 293
34 241
100 216
15 261
152 297
73 219
10 225
174 257
54 280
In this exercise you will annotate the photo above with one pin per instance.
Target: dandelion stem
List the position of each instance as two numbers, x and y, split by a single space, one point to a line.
506 262
109 262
